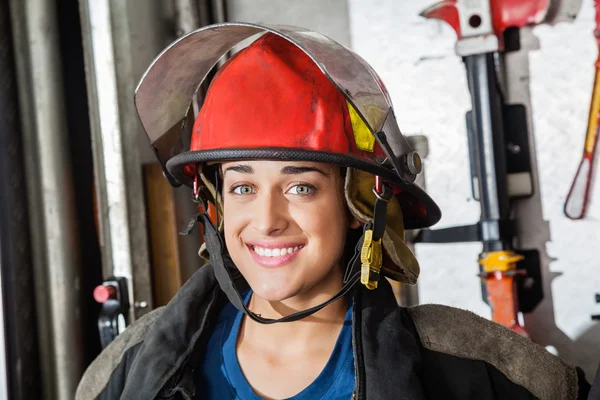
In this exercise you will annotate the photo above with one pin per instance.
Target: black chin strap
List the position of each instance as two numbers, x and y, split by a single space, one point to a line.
214 242
352 275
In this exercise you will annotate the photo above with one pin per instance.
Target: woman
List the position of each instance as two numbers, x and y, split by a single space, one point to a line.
297 146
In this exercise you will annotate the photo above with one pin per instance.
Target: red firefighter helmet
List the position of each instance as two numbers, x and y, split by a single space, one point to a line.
292 94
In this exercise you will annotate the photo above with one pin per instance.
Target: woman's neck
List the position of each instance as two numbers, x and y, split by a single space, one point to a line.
324 322
280 360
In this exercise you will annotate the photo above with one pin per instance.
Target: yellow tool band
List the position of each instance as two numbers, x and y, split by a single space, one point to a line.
500 261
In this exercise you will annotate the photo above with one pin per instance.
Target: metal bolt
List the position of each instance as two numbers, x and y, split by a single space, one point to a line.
528 283
513 148
597 297
141 304
413 163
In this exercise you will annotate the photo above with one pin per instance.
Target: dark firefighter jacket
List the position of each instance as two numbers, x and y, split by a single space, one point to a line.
423 352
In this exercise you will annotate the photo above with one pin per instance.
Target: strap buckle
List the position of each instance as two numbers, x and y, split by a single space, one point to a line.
371 258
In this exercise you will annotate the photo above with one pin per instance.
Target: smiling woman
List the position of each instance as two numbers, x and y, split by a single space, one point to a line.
272 206
297 146
292 258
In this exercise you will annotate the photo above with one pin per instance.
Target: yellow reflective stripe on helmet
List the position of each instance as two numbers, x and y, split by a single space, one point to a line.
362 135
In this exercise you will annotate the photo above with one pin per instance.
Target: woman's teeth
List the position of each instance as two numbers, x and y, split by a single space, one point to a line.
275 252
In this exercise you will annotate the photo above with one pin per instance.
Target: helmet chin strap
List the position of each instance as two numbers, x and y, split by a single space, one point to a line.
360 266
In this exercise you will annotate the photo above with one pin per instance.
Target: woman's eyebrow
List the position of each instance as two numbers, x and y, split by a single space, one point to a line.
241 168
291 170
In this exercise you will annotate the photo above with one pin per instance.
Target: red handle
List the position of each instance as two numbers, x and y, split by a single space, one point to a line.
577 199
579 194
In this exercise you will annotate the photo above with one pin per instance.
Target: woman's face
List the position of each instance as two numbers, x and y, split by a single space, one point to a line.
284 224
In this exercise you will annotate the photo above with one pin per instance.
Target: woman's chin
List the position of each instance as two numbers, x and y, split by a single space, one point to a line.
273 293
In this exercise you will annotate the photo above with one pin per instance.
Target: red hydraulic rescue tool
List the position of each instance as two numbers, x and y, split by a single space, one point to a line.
498 140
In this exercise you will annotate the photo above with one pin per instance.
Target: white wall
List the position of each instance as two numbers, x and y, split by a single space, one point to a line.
328 17
416 60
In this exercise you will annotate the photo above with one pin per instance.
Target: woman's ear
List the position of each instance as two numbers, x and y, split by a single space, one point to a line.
354 223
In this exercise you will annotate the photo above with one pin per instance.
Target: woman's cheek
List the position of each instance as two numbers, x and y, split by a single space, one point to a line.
236 216
323 224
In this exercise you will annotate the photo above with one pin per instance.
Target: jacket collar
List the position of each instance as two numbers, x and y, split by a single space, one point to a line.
163 354
386 346
385 343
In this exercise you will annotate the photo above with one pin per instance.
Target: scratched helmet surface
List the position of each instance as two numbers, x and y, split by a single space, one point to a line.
292 94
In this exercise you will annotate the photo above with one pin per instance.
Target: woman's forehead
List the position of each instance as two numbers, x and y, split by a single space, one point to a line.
251 166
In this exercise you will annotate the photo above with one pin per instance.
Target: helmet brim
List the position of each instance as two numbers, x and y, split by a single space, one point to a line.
418 209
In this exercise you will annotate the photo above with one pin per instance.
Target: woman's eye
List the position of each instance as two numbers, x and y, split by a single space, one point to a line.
243 189
301 189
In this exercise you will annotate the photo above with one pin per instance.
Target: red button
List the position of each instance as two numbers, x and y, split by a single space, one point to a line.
102 293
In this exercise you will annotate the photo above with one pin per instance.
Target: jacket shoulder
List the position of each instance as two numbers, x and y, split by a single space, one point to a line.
463 334
109 365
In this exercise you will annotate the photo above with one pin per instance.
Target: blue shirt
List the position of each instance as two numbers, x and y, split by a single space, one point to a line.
220 375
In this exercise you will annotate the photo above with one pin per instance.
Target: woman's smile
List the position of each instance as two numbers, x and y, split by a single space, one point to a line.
275 256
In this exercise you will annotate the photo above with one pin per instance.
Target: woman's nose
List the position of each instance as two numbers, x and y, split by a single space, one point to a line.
269 218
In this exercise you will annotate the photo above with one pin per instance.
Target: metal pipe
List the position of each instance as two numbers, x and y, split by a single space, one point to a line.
189 15
219 15
486 120
204 15
19 353
107 143
219 11
109 59
50 195
186 16
5 46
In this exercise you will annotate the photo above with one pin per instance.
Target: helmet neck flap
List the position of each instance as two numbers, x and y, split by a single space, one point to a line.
364 266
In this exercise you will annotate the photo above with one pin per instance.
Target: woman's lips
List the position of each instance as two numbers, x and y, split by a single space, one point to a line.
274 256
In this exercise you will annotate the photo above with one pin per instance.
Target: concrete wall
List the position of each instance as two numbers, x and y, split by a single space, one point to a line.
328 17
416 60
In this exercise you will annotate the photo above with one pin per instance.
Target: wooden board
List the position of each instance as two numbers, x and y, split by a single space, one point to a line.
164 252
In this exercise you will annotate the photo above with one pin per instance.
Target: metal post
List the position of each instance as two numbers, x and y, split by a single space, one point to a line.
532 230
51 203
109 59
409 294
